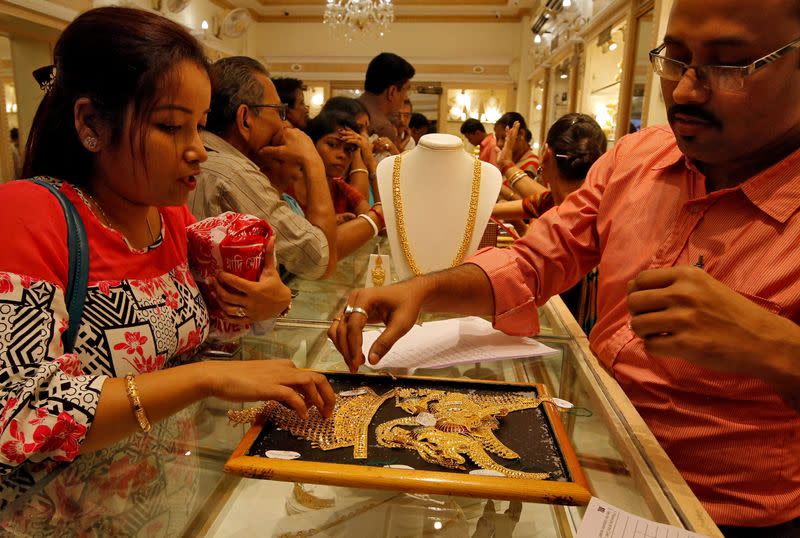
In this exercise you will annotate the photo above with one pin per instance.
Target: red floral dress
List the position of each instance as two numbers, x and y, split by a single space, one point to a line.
142 312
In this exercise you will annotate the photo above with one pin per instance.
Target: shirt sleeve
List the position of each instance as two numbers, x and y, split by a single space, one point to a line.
300 246
556 252
46 403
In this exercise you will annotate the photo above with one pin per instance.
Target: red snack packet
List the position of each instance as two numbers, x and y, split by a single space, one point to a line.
231 242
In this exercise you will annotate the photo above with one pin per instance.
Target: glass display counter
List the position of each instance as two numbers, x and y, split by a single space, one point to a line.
171 483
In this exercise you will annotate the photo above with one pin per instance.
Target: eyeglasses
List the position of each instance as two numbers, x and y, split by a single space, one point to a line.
280 109
726 78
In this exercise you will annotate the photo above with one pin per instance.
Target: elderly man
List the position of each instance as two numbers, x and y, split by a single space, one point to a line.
246 134
695 230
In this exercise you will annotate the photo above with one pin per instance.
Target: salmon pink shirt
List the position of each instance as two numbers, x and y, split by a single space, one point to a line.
644 205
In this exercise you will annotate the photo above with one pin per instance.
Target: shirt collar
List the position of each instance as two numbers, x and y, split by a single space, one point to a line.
218 144
775 191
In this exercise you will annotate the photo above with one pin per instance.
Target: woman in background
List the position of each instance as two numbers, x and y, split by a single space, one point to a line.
574 142
363 179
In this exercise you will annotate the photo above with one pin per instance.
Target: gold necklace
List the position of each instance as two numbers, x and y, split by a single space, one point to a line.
84 195
400 220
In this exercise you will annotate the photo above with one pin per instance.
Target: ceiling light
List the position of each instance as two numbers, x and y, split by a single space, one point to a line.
358 18
204 25
566 3
612 46
537 39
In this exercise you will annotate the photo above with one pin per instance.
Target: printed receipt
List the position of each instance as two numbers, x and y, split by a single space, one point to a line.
603 520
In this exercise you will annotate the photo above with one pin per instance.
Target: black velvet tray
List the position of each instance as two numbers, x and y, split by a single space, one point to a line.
537 435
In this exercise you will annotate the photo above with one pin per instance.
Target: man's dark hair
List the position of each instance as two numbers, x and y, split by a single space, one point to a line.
472 126
418 121
329 122
577 141
233 83
287 89
509 118
351 106
14 133
387 69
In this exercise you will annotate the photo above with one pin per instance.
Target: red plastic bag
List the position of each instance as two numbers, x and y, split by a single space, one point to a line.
231 242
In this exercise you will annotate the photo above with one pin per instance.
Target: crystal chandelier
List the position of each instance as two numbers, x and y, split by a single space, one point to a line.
359 18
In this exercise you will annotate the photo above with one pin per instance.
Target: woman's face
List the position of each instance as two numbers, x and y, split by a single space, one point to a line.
363 123
163 169
335 154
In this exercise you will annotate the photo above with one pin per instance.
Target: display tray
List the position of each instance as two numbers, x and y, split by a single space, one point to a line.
444 418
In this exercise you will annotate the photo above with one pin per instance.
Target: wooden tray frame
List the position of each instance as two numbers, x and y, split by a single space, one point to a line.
576 493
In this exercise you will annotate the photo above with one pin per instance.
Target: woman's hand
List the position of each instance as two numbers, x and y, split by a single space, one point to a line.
506 156
264 299
341 218
349 136
280 380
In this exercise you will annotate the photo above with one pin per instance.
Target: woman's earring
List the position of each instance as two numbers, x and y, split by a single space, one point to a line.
90 143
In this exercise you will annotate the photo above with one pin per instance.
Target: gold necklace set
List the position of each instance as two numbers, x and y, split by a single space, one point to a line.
445 428
401 224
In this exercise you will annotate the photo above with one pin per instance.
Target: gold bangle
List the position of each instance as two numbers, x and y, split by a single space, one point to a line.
136 404
354 170
513 181
512 171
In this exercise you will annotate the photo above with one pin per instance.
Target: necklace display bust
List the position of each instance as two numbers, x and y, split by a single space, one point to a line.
438 214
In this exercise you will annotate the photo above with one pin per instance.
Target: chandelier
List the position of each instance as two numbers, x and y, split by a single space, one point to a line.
359 18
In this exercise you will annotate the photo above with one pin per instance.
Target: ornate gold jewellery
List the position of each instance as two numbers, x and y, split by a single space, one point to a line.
400 220
445 428
378 272
448 426
349 425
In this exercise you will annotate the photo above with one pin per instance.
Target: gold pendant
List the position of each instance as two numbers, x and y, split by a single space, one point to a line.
378 273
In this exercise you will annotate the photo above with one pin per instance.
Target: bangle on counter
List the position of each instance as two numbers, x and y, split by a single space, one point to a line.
136 404
356 170
371 223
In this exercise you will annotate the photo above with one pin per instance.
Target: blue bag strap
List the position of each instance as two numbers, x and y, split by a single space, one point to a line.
78 275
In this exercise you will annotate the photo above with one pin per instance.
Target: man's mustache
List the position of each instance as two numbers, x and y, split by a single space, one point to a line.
693 111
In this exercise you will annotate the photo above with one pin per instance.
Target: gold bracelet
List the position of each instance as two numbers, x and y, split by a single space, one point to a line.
513 181
354 170
512 171
136 404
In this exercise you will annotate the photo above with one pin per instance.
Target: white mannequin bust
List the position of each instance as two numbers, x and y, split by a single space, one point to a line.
436 179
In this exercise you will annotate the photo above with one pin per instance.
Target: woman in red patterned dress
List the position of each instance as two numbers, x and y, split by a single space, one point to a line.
118 133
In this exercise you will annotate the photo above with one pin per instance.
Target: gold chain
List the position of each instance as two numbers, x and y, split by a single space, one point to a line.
401 224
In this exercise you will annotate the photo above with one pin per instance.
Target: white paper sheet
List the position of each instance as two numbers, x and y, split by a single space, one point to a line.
438 344
603 520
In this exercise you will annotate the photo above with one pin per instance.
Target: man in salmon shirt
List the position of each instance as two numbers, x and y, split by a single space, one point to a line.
696 229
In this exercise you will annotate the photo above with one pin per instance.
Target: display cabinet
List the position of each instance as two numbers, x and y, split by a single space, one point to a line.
181 489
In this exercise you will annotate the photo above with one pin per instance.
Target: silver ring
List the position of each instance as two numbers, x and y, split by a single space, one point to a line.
241 312
355 310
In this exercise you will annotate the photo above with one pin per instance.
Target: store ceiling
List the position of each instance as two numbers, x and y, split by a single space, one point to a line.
405 10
